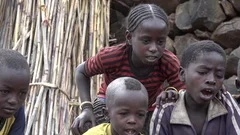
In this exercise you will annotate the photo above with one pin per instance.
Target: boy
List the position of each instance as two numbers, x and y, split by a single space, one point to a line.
126 112
14 82
198 111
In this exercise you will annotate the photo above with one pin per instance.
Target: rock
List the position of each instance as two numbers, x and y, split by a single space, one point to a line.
199 14
182 42
236 4
170 45
230 85
202 34
228 8
231 66
227 34
172 26
182 18
228 51
236 52
169 6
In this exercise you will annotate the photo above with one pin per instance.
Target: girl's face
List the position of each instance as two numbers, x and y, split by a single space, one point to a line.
148 42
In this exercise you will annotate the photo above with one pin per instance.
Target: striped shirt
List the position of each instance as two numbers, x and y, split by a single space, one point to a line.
115 61
223 118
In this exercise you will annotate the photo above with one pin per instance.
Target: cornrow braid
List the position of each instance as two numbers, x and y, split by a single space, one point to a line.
143 12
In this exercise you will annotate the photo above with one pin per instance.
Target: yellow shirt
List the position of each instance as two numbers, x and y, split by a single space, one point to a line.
7 126
102 129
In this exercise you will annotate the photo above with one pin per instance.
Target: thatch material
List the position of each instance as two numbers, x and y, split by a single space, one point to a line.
55 36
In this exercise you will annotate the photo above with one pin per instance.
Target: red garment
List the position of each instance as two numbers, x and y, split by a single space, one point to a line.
114 62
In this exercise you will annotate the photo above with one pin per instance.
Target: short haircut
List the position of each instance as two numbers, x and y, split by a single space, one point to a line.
191 53
143 12
13 59
123 83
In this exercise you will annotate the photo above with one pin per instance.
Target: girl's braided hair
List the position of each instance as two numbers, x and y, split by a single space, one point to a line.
143 12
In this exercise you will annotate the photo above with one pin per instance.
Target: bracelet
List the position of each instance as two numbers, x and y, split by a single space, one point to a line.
85 103
172 88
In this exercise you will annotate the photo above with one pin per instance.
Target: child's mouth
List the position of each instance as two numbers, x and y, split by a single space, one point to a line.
131 132
151 58
207 94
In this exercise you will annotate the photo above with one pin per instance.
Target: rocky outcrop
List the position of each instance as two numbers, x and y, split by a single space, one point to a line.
193 20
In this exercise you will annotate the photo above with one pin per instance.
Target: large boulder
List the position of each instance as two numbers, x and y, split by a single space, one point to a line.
227 33
169 6
228 8
236 52
182 42
199 14
231 66
170 45
236 4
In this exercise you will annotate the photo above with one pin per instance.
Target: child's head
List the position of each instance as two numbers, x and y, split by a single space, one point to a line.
147 31
14 82
202 70
238 75
126 105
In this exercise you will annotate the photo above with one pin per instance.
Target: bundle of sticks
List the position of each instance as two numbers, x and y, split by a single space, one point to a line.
55 36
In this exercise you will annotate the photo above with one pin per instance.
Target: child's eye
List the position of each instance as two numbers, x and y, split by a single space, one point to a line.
202 73
23 93
141 114
146 41
4 91
160 42
123 113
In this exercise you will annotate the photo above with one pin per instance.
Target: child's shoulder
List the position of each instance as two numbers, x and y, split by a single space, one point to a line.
170 57
116 48
102 129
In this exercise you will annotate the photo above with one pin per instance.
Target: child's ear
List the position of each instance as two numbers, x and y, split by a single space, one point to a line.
181 74
128 37
106 114
237 83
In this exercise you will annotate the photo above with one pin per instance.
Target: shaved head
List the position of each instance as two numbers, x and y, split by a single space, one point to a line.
123 84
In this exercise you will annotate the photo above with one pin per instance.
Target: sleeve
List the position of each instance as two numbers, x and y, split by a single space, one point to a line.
93 65
233 116
19 123
160 121
172 71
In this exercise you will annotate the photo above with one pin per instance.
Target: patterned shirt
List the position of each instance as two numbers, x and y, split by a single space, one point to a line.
115 61
223 118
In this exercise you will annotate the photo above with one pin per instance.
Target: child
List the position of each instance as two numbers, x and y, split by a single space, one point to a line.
143 57
198 111
14 82
126 112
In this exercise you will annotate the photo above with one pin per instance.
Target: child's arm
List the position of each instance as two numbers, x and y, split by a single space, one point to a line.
19 123
87 115
160 121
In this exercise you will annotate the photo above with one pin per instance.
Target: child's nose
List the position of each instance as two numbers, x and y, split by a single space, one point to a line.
131 120
153 47
13 99
211 79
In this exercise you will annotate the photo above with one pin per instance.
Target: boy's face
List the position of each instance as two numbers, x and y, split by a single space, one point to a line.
127 113
148 41
13 89
204 77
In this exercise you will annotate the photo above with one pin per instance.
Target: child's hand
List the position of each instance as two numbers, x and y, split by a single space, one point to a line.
83 122
166 97
223 90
